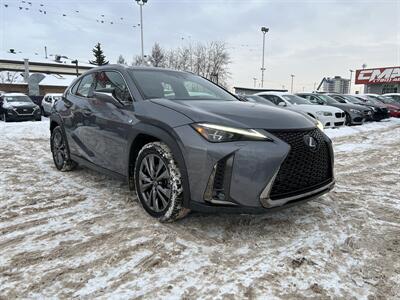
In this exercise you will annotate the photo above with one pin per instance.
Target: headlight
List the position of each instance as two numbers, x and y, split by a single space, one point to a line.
219 133
356 111
36 108
324 113
320 125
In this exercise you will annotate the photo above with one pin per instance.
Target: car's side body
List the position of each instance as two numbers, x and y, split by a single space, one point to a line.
249 176
394 96
330 117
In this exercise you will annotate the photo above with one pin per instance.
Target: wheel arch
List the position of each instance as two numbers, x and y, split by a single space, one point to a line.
149 133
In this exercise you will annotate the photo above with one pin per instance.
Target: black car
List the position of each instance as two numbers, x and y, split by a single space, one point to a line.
380 110
18 107
355 114
368 113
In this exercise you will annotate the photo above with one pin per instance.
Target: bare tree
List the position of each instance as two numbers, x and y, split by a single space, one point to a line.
10 77
157 58
210 60
121 60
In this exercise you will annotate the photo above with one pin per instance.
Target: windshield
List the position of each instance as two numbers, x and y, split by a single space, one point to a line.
177 86
327 99
352 99
10 99
293 99
338 98
383 99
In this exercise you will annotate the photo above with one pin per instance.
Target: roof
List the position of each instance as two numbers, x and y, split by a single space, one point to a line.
274 93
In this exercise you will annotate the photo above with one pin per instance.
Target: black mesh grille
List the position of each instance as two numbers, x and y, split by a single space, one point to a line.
303 169
339 115
219 176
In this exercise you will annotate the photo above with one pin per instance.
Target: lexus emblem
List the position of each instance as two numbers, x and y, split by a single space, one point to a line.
311 142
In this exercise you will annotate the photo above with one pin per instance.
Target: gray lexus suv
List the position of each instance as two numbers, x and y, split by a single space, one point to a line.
184 143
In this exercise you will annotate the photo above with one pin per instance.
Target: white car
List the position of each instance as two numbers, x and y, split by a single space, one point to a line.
48 102
329 116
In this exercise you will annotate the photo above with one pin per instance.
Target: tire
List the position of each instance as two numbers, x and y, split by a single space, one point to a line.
348 120
43 112
5 119
158 183
60 151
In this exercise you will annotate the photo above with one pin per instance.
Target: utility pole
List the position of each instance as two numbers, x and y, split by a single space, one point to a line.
141 3
291 85
76 67
45 52
264 30
351 76
255 81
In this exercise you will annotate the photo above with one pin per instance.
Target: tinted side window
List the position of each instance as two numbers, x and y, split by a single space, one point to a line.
113 81
85 85
75 87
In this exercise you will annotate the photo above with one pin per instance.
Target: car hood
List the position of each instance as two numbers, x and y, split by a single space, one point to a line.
315 108
238 114
21 104
392 106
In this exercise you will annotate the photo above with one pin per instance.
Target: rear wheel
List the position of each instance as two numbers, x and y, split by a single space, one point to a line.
60 151
158 183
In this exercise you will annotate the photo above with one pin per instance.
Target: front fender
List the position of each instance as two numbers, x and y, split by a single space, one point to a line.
173 142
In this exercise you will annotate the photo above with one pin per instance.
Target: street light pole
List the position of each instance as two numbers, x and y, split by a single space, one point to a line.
141 3
351 76
291 85
255 81
264 30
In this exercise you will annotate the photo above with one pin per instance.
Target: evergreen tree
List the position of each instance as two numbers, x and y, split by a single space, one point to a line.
99 57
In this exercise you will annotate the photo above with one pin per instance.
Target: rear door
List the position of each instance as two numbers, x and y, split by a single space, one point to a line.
111 124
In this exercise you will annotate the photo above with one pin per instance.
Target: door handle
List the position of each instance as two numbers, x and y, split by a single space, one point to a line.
67 103
87 112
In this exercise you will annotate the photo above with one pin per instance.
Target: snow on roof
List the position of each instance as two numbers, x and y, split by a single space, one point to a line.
40 59
58 80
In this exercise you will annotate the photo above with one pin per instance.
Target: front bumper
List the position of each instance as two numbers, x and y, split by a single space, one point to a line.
395 113
332 121
13 115
250 172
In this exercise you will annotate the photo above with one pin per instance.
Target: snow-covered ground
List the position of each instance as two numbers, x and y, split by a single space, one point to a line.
81 234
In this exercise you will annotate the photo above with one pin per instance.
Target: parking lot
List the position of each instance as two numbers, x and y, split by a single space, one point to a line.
81 234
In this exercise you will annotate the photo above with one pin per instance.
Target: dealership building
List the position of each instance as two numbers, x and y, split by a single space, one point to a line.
379 80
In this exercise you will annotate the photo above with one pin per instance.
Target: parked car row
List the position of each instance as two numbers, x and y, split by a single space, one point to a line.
337 110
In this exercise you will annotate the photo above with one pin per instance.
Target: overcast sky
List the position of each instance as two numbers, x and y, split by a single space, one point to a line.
310 39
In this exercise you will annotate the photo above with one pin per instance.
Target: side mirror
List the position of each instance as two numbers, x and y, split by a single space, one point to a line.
108 97
282 104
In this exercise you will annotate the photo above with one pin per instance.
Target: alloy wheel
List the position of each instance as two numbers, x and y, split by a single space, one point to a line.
59 149
154 182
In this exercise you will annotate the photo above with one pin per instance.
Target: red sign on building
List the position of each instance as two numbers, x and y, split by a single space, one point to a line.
378 75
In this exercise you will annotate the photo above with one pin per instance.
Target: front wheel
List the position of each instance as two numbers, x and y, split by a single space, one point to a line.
60 151
158 183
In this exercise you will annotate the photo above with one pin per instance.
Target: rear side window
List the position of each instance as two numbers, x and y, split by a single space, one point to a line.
85 85
75 87
110 81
